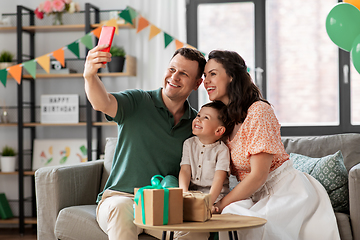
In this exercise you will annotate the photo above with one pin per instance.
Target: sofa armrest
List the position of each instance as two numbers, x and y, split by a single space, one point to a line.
63 186
354 198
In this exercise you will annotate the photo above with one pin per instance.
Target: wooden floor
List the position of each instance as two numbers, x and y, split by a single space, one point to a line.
13 234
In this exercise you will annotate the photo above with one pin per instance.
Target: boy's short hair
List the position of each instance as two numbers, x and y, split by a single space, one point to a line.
223 116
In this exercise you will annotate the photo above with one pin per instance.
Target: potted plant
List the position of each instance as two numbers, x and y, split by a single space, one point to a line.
117 59
6 59
8 159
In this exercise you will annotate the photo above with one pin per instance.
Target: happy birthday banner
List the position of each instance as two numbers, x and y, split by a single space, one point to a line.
128 14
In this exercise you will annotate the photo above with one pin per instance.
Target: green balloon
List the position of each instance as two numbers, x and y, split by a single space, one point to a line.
343 25
355 53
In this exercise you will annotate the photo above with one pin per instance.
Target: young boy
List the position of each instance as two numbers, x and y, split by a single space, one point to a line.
206 159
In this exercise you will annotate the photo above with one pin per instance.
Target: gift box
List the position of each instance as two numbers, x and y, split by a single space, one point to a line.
154 203
196 206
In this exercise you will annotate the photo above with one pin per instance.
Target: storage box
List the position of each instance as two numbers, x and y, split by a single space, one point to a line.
197 206
154 206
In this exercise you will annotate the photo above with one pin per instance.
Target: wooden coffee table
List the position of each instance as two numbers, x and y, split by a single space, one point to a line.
218 222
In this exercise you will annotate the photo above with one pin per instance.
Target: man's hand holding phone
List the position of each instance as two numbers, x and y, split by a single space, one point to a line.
106 38
99 55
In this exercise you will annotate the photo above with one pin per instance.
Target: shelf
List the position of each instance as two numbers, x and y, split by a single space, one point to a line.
38 124
130 71
8 124
69 28
31 111
15 220
7 29
26 173
61 28
104 124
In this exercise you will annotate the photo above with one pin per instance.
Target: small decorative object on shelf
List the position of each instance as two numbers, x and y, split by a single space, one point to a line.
8 159
4 21
117 59
56 8
6 59
4 116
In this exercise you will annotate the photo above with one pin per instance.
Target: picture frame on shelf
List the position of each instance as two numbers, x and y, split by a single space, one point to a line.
60 108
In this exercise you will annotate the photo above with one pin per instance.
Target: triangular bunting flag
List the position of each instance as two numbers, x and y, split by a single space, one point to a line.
74 48
15 72
178 44
153 31
113 23
3 76
167 39
44 62
142 23
30 66
87 41
132 12
125 14
60 56
189 46
97 32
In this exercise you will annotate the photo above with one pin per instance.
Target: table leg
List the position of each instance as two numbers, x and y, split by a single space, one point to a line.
235 235
230 235
171 235
163 235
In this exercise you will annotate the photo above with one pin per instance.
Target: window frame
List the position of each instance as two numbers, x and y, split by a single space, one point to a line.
260 37
344 126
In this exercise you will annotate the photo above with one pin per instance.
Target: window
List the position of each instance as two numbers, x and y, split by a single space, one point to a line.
302 64
228 25
312 85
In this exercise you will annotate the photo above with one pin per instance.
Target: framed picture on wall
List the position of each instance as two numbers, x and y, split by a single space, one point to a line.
54 152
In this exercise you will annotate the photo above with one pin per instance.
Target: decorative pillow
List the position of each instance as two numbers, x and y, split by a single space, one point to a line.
331 172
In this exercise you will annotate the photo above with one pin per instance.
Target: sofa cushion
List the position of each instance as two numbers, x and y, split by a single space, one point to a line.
331 172
343 222
78 222
319 146
109 156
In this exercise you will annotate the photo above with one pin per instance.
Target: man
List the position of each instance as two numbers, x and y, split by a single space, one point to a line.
152 126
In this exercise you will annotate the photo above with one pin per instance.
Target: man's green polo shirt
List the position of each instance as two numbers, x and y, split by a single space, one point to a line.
148 142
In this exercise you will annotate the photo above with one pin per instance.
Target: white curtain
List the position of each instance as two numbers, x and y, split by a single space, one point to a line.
152 57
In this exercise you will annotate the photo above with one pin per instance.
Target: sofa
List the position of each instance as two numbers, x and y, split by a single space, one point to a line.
66 195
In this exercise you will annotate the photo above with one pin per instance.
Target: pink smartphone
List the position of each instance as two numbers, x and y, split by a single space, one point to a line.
106 37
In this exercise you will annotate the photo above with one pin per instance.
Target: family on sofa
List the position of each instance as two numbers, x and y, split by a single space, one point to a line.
152 126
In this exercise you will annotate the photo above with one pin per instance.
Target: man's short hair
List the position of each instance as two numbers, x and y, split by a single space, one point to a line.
193 55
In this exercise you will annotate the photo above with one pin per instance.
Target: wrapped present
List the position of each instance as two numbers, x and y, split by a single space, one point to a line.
197 206
158 204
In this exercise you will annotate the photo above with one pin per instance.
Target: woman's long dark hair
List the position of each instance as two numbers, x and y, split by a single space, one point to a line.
242 91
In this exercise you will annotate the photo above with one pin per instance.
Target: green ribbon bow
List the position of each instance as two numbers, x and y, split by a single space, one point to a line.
167 182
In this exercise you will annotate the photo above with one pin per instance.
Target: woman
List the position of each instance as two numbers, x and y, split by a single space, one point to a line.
294 204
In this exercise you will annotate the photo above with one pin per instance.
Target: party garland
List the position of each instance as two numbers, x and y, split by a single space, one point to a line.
128 14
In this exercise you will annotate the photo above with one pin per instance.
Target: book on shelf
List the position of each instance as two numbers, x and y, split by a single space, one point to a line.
5 210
